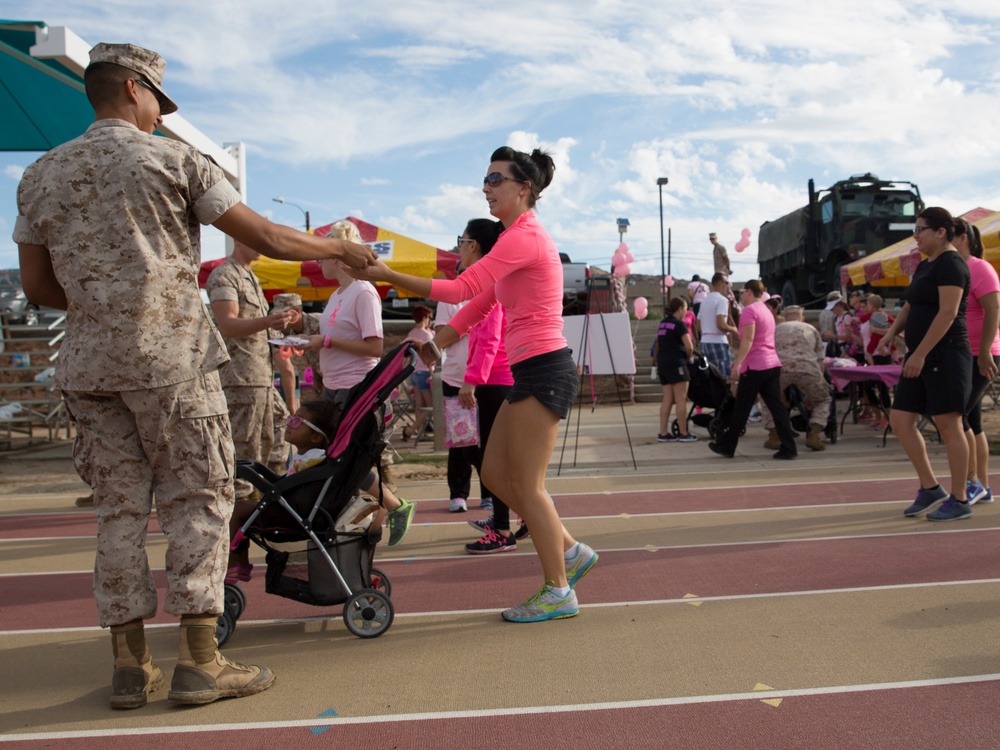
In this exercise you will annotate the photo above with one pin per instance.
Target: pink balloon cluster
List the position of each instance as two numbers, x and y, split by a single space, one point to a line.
744 242
668 281
621 259
641 307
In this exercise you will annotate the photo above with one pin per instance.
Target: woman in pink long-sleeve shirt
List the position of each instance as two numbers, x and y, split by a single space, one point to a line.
523 272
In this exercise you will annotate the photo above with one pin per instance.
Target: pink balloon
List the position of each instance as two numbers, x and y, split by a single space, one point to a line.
623 270
668 281
618 259
623 248
745 234
629 257
742 245
641 307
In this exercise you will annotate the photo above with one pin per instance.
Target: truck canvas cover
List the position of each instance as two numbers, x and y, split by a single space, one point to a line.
781 235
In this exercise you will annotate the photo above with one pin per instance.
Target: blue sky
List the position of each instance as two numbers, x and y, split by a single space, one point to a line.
389 111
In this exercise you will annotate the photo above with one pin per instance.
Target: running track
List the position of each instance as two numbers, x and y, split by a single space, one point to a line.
786 616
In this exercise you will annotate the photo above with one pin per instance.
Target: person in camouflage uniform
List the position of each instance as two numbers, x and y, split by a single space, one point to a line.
303 324
800 349
241 313
108 230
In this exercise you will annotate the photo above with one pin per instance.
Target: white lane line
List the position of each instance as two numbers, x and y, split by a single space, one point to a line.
598 605
409 560
335 721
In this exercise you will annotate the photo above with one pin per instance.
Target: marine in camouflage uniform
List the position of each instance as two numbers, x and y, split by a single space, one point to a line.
800 349
241 311
108 230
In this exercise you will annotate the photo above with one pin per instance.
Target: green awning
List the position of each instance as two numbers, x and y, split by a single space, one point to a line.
42 101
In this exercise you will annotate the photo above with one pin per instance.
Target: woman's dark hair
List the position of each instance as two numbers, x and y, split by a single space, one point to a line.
972 232
774 303
485 232
939 218
536 169
756 287
675 305
420 313
324 413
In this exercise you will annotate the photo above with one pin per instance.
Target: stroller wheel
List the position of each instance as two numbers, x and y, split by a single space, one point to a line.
368 613
381 582
235 600
225 627
715 428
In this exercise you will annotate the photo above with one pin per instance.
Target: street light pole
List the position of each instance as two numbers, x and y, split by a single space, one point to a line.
660 182
279 199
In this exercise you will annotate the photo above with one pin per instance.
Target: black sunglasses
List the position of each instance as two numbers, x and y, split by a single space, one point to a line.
495 178
157 94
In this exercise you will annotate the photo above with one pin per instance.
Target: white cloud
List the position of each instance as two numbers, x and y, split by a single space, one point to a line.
13 171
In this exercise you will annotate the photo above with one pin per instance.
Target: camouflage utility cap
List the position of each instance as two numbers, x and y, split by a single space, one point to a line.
143 61
287 301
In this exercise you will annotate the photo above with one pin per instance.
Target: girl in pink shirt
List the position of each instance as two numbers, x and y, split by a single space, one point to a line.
758 372
524 274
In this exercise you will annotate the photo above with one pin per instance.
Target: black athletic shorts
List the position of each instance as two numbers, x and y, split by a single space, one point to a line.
552 378
674 371
943 386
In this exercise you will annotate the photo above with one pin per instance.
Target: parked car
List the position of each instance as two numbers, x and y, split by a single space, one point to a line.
16 307
575 276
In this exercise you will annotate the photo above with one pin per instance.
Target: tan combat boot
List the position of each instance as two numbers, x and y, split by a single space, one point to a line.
773 442
135 675
203 675
813 439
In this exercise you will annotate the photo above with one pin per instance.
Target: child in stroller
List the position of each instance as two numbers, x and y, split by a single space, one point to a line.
319 532
309 432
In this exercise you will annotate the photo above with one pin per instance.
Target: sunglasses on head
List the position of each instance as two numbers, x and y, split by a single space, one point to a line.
495 178
295 421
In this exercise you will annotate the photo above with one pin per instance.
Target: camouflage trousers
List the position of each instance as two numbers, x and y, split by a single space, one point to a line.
252 413
172 443
808 378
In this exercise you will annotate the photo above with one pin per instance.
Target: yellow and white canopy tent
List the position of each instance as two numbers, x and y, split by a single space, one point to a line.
894 265
401 253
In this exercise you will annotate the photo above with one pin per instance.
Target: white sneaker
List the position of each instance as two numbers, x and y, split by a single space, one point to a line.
458 505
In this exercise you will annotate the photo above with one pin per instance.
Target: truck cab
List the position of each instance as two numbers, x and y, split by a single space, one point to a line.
801 253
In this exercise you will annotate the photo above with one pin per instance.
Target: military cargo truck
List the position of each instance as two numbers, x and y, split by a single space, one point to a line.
801 253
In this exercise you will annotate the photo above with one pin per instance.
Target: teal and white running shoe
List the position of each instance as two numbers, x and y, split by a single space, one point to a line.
545 605
577 567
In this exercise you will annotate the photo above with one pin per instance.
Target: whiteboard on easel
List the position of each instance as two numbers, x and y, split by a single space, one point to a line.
608 349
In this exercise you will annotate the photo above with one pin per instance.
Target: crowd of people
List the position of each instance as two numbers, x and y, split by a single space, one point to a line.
167 408
945 340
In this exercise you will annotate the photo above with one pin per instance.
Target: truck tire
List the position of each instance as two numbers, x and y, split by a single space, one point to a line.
788 294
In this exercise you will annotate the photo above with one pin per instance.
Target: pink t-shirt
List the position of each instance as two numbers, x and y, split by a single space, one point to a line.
762 355
984 281
689 320
354 313
523 272
487 364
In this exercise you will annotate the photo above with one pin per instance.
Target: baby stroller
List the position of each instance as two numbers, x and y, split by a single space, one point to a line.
296 521
708 390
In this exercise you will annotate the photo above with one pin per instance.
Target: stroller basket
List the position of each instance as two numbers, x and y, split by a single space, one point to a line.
307 576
